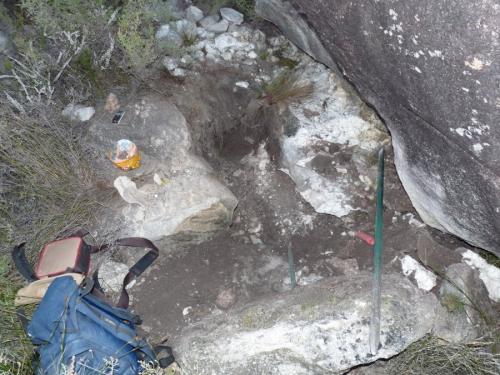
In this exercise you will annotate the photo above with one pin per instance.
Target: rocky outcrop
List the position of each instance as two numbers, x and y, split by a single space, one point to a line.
431 70
173 190
329 144
320 329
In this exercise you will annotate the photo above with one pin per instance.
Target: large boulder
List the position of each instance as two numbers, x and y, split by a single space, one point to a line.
320 329
431 69
173 190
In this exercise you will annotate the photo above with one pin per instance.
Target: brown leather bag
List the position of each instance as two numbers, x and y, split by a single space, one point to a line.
71 255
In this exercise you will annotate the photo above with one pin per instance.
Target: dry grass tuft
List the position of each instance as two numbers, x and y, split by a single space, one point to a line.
286 88
48 186
16 351
434 356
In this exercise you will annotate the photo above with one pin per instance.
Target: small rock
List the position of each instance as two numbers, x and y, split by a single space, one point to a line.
185 27
227 56
252 55
162 32
209 20
225 41
170 63
186 310
186 60
202 34
255 240
194 14
233 28
111 275
225 299
78 112
426 280
112 103
157 179
242 84
179 72
218 28
168 34
232 15
198 55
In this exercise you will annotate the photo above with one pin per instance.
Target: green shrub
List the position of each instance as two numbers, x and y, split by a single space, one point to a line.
217 4
136 29
287 63
69 15
247 7
188 39
453 303
92 20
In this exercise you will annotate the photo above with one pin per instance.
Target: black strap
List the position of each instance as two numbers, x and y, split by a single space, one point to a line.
136 270
80 233
21 316
22 264
164 355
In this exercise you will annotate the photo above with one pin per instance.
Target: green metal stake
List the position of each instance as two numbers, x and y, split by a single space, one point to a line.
377 258
291 267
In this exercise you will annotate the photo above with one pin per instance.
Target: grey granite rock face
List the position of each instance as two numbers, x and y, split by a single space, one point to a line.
431 70
320 329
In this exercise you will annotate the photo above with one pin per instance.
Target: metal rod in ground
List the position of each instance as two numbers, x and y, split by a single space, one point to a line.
374 338
291 267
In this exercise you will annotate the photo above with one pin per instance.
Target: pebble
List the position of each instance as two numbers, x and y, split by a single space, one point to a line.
225 41
170 63
242 84
225 299
218 28
162 32
194 14
78 112
232 15
209 20
179 72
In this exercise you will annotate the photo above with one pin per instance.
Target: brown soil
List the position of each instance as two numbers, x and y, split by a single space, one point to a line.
249 259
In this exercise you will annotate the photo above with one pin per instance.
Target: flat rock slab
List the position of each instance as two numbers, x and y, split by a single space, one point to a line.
321 329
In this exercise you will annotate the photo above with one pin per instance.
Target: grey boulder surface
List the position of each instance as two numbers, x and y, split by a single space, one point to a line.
431 69
318 329
173 190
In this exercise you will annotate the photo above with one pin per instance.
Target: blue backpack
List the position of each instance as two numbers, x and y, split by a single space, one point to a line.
76 331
